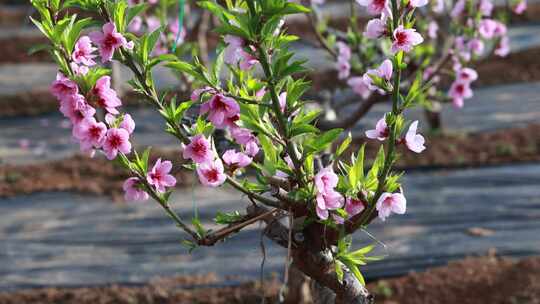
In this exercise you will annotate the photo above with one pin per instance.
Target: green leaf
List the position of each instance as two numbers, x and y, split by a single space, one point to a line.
363 251
322 141
302 129
356 171
198 227
38 48
339 271
133 11
344 145
183 67
357 274
295 8
151 41
225 218
306 118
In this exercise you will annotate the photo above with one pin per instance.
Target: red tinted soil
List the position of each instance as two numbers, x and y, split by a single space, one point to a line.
78 173
486 280
471 281
497 147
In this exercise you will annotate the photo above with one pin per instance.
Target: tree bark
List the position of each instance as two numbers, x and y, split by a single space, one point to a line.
311 256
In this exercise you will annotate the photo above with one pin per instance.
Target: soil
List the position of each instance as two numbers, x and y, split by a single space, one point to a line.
522 66
470 150
488 280
78 173
102 177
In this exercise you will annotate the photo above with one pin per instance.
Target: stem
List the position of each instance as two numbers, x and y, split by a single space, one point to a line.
163 203
265 200
389 157
313 19
282 120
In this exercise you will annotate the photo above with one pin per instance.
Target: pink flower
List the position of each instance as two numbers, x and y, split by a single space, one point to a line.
458 8
105 96
219 108
133 190
198 150
108 41
405 39
79 69
252 148
433 27
344 55
211 173
90 133
390 203
476 46
24 143
500 29
236 159
439 6
344 69
63 87
418 3
247 61
116 140
503 48
196 94
359 86
83 52
415 142
329 200
466 75
135 26
486 28
384 71
375 7
353 206
231 54
381 131
128 123
282 101
459 91
152 23
520 7
76 108
486 7
375 28
326 180
159 176
242 135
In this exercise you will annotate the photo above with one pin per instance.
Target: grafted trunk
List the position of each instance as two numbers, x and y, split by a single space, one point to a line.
311 256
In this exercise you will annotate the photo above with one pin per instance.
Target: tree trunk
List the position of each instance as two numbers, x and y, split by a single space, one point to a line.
433 117
311 256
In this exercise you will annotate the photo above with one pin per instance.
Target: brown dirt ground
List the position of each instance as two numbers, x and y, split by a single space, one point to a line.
99 176
485 280
471 150
78 173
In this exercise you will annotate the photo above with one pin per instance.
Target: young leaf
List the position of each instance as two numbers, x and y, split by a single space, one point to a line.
344 145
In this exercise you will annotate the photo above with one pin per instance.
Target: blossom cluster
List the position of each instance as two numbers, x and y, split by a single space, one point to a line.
223 113
474 24
112 135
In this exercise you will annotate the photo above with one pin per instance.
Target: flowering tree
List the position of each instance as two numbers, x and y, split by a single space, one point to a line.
450 36
252 93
